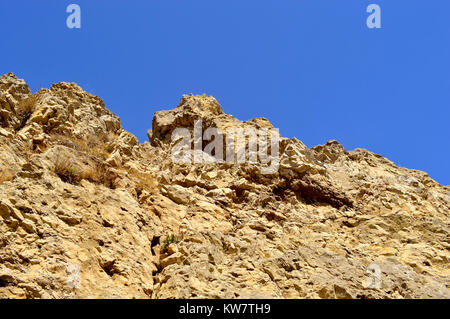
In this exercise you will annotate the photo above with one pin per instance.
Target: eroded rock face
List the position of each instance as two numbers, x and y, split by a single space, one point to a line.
203 108
13 92
88 212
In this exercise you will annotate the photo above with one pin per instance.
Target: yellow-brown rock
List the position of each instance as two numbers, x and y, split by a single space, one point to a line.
79 196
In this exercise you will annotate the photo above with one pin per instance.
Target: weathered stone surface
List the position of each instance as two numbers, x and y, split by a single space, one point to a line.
78 194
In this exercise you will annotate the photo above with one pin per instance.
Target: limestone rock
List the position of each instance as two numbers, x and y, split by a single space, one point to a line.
86 211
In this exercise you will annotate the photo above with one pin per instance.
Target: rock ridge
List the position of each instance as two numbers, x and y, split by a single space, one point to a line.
86 211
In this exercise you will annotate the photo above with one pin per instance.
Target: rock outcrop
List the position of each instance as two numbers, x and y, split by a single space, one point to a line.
86 211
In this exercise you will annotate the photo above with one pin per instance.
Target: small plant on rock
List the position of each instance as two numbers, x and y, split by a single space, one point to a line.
64 169
24 110
171 239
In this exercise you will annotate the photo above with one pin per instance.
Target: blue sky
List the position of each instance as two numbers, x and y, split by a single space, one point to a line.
312 67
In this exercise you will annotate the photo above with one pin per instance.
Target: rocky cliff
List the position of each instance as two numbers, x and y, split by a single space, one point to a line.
86 211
